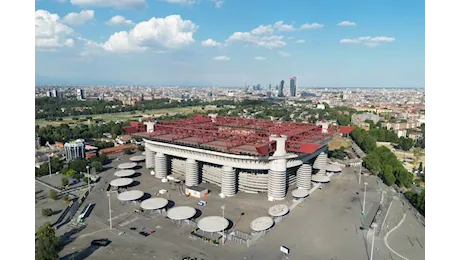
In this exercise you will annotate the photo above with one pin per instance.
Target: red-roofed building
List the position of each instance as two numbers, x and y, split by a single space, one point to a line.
135 127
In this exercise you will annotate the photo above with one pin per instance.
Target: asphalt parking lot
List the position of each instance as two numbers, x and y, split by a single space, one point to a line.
325 226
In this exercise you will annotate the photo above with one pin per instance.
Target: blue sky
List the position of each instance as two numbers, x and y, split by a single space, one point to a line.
325 43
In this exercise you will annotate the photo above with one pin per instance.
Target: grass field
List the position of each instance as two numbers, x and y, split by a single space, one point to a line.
124 115
337 142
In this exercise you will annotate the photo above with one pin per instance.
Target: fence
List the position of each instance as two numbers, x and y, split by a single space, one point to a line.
243 238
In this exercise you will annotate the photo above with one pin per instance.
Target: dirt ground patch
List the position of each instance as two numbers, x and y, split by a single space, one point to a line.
337 142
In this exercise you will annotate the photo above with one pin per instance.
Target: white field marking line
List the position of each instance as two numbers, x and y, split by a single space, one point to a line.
393 229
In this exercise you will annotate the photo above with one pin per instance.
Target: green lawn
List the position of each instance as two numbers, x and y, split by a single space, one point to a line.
123 115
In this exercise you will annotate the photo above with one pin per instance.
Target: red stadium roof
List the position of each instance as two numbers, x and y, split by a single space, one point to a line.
239 135
346 129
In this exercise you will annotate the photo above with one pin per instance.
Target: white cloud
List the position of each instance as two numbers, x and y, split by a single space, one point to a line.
50 32
184 2
168 32
269 29
280 26
223 58
346 23
119 20
260 58
263 29
290 38
300 41
308 26
368 40
78 18
210 43
284 54
119 4
269 42
218 3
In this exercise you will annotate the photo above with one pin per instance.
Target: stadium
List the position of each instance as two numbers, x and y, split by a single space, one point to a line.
237 154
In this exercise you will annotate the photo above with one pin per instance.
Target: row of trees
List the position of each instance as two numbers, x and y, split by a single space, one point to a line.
417 200
74 167
64 132
384 163
52 108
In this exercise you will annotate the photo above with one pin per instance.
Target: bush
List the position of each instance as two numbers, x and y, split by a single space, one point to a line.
64 181
65 198
53 194
47 212
127 151
86 179
141 148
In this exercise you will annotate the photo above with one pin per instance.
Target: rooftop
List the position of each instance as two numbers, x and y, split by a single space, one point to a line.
246 136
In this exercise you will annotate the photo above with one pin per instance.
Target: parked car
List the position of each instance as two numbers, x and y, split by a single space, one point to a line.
100 242
145 234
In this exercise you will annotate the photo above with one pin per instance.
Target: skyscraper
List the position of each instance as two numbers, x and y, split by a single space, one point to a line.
81 94
293 87
55 93
280 89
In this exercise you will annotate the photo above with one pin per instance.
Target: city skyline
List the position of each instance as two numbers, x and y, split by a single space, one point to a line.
202 43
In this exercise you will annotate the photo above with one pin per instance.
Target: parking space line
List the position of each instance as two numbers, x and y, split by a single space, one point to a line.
124 223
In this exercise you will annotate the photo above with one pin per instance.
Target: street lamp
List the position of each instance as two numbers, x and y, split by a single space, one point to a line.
223 231
89 179
360 171
49 164
364 203
374 225
110 210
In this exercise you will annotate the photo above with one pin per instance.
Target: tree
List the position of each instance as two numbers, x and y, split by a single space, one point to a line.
141 148
53 194
418 153
406 143
86 179
47 212
47 243
97 166
78 164
127 151
388 176
103 158
64 181
70 173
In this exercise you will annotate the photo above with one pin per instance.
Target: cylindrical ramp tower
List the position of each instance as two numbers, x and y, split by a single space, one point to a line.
149 159
277 179
228 186
320 163
160 166
304 177
191 172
